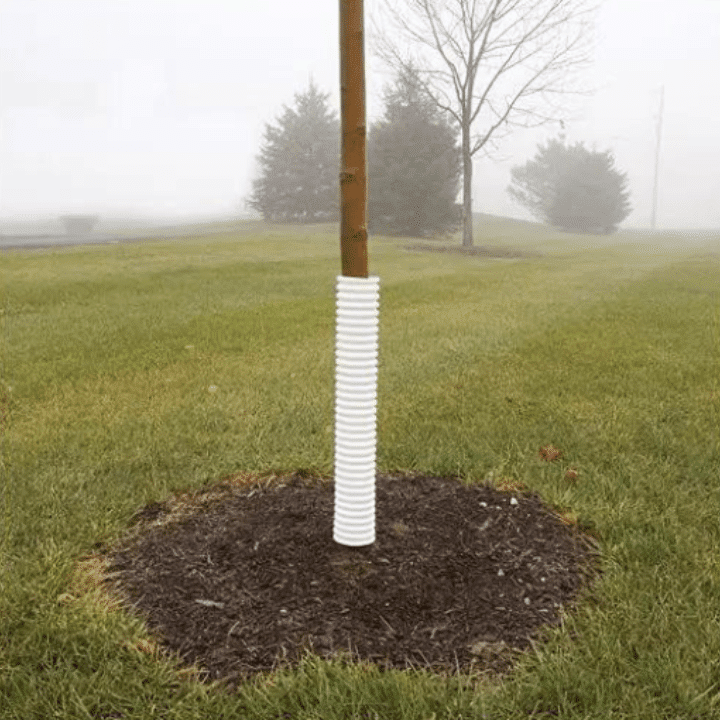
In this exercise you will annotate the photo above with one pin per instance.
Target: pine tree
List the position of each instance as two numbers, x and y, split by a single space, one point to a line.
299 163
414 165
572 188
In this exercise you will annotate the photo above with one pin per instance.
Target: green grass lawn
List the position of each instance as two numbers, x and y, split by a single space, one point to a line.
133 371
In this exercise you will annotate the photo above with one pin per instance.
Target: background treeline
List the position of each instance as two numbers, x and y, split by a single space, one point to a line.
415 169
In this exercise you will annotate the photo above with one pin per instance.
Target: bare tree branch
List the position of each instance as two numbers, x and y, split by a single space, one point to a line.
499 64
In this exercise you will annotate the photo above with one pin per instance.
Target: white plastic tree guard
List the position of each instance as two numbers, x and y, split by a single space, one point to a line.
356 357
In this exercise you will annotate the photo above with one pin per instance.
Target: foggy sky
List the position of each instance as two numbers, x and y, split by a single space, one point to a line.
159 106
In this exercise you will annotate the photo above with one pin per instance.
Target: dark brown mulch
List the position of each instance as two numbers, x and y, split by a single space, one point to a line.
243 577
482 250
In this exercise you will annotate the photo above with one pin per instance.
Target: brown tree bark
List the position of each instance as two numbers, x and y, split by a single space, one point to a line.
353 174
467 239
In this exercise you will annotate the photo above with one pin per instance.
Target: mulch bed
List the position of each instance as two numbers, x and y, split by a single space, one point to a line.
244 577
480 250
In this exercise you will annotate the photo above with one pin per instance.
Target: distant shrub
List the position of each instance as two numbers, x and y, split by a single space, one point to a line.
79 224
572 188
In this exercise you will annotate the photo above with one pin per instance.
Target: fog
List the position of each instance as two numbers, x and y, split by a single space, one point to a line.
155 110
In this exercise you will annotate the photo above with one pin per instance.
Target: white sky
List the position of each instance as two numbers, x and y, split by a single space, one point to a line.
158 106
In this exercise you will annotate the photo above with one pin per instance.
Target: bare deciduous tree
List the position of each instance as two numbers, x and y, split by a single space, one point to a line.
496 64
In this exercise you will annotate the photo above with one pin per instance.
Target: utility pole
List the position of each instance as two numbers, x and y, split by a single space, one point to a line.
657 158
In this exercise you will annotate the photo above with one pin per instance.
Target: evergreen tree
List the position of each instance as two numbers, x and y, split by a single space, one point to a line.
299 163
572 188
414 165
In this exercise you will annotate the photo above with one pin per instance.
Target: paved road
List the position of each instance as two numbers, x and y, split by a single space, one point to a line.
37 242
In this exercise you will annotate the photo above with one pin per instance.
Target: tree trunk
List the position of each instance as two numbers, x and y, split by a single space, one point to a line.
353 175
467 187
